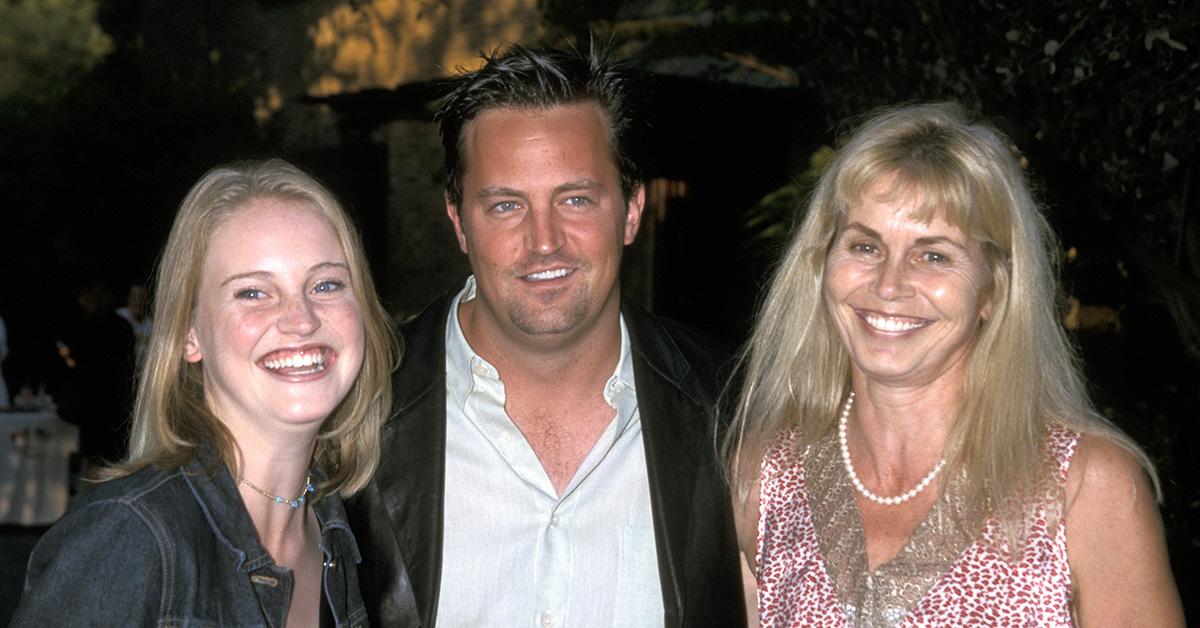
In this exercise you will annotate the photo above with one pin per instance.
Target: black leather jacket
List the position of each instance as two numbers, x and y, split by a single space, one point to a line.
398 519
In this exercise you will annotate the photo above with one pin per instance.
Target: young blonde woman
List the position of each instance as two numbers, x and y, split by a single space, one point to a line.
259 406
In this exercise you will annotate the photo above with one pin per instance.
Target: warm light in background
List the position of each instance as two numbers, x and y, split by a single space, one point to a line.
386 43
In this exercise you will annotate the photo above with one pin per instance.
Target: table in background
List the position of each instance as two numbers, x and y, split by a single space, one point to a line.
35 456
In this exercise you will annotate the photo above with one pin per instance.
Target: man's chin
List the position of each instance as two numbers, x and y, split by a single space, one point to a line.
548 321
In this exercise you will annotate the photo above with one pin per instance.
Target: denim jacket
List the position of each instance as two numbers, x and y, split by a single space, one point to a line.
176 548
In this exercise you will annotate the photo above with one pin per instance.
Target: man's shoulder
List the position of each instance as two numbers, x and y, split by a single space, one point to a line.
421 374
695 361
428 326
668 339
423 341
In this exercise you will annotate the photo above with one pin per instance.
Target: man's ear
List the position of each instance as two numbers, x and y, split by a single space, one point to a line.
191 347
456 220
633 212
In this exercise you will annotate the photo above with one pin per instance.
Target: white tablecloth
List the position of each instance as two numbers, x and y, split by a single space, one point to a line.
35 453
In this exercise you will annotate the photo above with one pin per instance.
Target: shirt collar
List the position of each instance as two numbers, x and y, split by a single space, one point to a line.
463 365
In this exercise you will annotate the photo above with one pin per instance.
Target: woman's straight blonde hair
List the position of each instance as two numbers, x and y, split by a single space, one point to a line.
1022 375
171 421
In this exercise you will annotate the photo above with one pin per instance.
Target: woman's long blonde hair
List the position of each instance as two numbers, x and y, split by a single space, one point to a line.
171 421
1022 375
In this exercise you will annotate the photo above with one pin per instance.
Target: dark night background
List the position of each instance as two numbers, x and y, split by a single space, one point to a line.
111 109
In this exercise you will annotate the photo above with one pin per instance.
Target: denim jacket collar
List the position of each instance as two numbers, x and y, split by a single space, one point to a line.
219 500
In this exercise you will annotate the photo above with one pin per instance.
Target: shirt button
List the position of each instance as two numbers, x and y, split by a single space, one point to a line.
547 619
554 521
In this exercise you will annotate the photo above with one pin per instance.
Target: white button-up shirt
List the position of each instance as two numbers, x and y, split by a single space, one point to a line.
515 552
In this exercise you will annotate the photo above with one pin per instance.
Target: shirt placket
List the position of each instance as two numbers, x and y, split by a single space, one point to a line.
556 554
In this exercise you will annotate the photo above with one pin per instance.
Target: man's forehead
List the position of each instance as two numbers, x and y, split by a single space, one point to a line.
500 134
507 113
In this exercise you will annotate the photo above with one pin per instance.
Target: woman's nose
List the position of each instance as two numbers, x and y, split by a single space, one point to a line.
892 279
298 317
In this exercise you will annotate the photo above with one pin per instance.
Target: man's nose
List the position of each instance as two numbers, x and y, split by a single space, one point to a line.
543 235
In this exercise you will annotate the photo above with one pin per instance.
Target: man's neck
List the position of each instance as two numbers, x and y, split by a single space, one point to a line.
583 358
553 387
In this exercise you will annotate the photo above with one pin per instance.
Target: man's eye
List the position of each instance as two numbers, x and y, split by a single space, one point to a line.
504 207
579 201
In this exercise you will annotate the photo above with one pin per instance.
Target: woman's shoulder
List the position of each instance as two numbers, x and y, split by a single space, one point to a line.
152 500
1115 540
147 486
113 544
1104 469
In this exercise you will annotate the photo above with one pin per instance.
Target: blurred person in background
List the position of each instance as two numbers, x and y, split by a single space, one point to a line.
134 312
95 390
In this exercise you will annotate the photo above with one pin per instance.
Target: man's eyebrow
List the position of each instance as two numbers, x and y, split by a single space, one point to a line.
574 186
488 192
570 186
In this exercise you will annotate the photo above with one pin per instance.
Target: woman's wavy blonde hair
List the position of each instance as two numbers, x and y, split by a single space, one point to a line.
171 421
1022 375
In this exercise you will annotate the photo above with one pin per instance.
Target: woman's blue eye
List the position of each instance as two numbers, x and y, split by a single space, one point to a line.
330 285
250 293
935 257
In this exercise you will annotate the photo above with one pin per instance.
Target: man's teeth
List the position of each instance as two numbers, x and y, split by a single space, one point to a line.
883 323
315 361
549 274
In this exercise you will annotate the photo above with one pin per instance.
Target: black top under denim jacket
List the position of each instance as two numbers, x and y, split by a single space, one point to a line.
176 548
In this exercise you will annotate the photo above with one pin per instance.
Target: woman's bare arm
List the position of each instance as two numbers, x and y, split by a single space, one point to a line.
745 515
1115 542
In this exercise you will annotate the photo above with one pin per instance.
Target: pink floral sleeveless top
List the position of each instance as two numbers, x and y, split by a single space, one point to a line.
812 565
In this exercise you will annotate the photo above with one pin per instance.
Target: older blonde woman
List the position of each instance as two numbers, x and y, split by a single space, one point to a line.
913 444
260 403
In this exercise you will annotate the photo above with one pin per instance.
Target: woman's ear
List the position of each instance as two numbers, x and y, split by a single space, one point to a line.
191 347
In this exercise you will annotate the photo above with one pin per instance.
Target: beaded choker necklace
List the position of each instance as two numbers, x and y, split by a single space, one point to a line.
279 499
862 488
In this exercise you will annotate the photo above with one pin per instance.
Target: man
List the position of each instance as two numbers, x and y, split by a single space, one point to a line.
551 460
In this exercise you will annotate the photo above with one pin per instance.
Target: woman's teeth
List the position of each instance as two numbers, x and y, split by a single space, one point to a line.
314 362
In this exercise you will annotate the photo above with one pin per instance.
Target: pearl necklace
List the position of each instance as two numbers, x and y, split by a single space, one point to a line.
858 484
279 499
